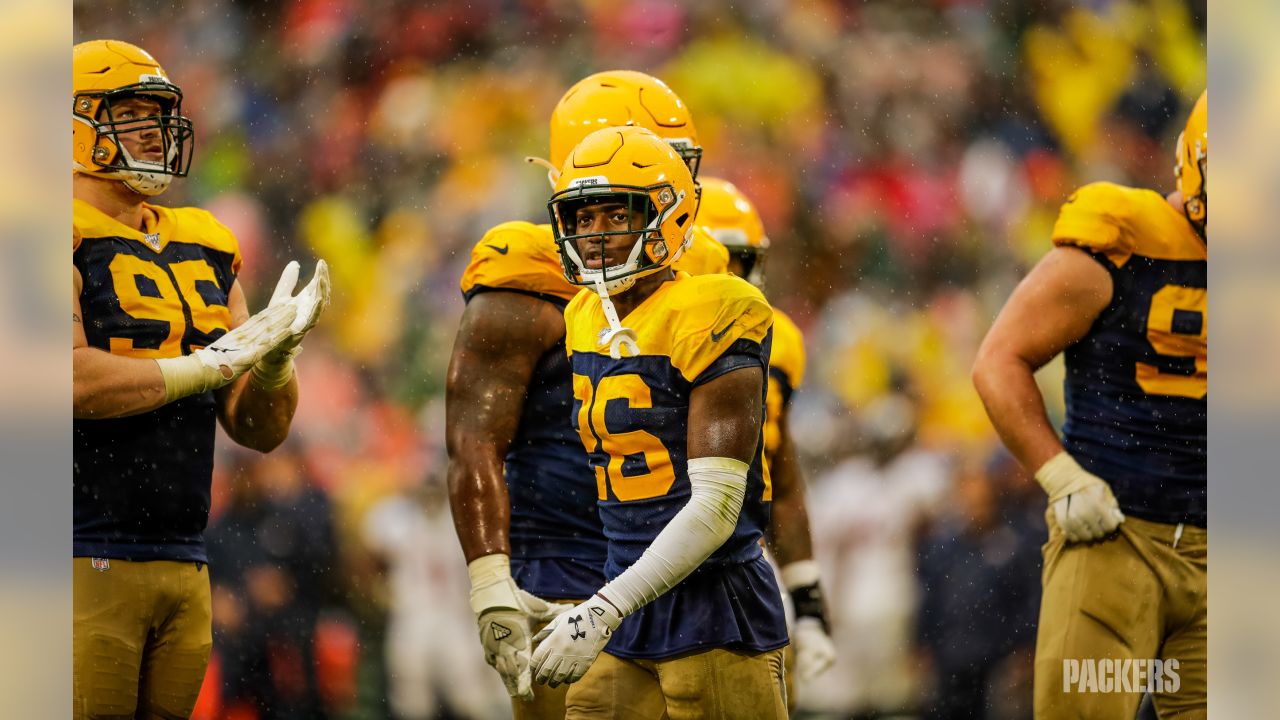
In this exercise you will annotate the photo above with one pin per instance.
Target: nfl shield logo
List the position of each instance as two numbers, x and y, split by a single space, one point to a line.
153 239
100 564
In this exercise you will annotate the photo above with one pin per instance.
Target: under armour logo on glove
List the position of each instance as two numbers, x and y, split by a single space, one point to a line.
569 645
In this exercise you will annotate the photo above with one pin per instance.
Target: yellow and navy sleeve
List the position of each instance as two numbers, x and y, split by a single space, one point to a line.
724 323
704 256
199 227
787 360
518 257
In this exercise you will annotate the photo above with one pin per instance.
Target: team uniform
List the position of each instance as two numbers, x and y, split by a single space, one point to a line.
141 590
786 372
558 546
557 543
1136 390
632 417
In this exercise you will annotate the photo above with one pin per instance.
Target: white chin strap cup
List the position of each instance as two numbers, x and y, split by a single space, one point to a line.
617 337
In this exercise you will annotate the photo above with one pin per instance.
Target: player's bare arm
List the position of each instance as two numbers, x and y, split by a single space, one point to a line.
1051 309
725 415
106 385
500 338
789 537
255 416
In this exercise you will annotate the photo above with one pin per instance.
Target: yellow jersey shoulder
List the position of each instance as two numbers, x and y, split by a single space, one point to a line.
788 357
706 315
704 256
1120 222
187 225
691 321
520 257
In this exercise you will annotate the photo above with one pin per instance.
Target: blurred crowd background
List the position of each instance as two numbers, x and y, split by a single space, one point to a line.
908 158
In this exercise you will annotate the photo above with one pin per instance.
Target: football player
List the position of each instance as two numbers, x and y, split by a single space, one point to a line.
1123 295
730 217
522 493
669 390
162 345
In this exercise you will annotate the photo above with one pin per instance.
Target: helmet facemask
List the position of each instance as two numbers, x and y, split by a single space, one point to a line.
647 208
110 156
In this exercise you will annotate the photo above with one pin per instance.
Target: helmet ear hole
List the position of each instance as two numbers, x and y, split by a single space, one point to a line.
682 220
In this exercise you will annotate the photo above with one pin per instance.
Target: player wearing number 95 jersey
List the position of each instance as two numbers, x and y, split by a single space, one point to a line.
162 345
1123 294
669 389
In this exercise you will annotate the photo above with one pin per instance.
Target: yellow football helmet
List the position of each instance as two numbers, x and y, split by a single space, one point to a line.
1192 168
623 97
640 174
104 72
728 216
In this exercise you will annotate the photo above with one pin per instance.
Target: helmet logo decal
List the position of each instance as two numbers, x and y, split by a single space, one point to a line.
589 181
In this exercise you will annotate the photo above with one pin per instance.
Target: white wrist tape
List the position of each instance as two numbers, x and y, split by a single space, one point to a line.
186 375
270 375
491 583
801 573
718 487
1061 476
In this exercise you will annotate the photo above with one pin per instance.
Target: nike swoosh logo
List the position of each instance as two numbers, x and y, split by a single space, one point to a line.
501 250
715 336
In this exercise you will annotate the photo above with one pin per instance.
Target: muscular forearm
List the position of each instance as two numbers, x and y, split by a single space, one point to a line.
258 418
1008 389
111 386
479 501
789 537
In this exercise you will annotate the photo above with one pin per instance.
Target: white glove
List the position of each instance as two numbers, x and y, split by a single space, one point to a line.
815 652
568 646
812 638
276 368
228 357
504 614
1082 502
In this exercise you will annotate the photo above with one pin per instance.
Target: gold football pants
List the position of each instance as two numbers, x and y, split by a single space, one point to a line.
715 684
1139 594
140 640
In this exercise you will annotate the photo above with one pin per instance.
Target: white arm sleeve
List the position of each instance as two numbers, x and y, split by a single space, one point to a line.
699 529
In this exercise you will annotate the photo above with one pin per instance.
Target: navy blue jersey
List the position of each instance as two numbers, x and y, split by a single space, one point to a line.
142 482
558 547
1137 382
633 417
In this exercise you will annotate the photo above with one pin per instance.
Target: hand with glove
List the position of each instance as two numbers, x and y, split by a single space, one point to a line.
275 369
1082 502
228 357
504 615
568 646
815 652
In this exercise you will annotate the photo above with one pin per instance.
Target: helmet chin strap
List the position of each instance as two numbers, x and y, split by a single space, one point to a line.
617 336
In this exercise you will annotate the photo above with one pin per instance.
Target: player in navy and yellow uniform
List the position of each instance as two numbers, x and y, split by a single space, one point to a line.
669 390
522 493
1124 295
730 217
163 347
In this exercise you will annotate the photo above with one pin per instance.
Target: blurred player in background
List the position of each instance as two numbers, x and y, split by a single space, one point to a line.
669 387
730 217
163 344
521 490
1124 295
